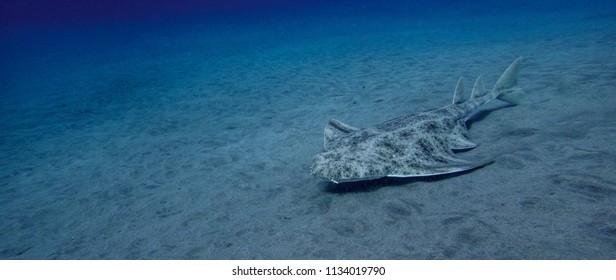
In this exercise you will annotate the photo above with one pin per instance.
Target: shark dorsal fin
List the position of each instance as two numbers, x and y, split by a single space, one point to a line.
457 95
477 88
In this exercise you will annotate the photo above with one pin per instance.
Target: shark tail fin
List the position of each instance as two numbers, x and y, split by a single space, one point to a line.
505 86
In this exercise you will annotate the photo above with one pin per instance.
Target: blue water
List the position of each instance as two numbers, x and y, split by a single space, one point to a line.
184 130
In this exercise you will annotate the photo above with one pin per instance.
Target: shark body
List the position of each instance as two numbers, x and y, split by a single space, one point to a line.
410 146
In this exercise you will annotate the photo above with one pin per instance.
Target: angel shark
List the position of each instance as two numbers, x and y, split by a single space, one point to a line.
413 145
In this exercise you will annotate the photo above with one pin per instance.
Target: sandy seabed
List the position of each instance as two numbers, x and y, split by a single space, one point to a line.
184 146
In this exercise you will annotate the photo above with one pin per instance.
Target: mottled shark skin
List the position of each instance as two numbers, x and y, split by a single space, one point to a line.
416 145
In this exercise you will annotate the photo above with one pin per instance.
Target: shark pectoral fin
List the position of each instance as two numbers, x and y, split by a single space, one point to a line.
454 167
436 170
335 129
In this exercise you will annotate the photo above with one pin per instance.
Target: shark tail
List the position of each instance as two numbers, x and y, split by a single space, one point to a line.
505 86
